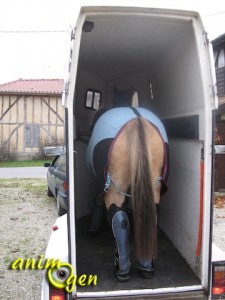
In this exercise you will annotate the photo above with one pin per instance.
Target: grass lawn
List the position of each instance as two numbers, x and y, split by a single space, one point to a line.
24 163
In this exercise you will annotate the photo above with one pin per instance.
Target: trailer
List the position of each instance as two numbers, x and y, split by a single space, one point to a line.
165 56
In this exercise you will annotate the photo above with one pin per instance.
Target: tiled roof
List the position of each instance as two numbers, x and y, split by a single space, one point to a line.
33 86
219 40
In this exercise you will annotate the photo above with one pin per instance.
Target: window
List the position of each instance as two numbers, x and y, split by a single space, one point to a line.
135 100
32 135
60 162
219 56
221 59
62 165
93 99
151 91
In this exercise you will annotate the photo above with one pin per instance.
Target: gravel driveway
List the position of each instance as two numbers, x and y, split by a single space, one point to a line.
219 221
24 172
27 216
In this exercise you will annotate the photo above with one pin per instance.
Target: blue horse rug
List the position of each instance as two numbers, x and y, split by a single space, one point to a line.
106 128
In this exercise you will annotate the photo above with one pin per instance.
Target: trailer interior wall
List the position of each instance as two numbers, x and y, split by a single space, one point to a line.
134 50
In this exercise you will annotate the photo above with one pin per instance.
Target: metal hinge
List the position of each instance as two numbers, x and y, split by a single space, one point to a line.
214 91
73 31
66 87
205 35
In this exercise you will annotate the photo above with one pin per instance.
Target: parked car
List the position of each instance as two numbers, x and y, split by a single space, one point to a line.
57 183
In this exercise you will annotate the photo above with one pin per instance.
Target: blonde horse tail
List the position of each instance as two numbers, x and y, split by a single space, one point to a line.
142 188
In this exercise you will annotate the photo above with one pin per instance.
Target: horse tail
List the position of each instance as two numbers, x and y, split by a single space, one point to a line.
142 189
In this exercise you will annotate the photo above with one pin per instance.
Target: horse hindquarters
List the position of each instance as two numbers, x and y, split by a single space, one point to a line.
130 166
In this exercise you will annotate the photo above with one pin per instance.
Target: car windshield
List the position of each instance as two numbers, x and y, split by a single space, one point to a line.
60 163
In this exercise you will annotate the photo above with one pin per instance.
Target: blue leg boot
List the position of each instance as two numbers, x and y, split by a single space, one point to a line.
121 230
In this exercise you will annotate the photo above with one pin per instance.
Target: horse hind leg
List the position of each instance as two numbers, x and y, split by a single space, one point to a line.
116 205
119 221
146 268
96 219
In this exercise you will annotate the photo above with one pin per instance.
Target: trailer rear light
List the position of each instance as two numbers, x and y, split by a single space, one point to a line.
57 294
65 186
218 280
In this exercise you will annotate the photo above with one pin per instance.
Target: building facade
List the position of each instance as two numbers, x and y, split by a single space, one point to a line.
219 57
31 115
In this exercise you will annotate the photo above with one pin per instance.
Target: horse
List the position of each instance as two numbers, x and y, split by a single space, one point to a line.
127 155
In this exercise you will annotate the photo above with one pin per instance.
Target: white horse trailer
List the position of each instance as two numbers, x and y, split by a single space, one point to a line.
164 55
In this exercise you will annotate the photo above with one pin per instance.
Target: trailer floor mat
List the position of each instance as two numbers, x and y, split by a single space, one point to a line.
95 257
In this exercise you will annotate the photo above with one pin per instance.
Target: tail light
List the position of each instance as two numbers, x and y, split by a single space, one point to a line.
65 186
57 294
218 280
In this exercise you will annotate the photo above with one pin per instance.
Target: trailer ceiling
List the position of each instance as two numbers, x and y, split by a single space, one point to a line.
122 44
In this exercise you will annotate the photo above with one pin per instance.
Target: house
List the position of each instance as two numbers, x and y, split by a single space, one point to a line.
219 56
31 115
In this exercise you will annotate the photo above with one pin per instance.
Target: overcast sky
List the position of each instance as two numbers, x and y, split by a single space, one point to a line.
43 54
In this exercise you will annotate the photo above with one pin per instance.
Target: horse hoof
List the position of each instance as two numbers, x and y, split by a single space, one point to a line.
146 273
122 277
118 275
93 231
